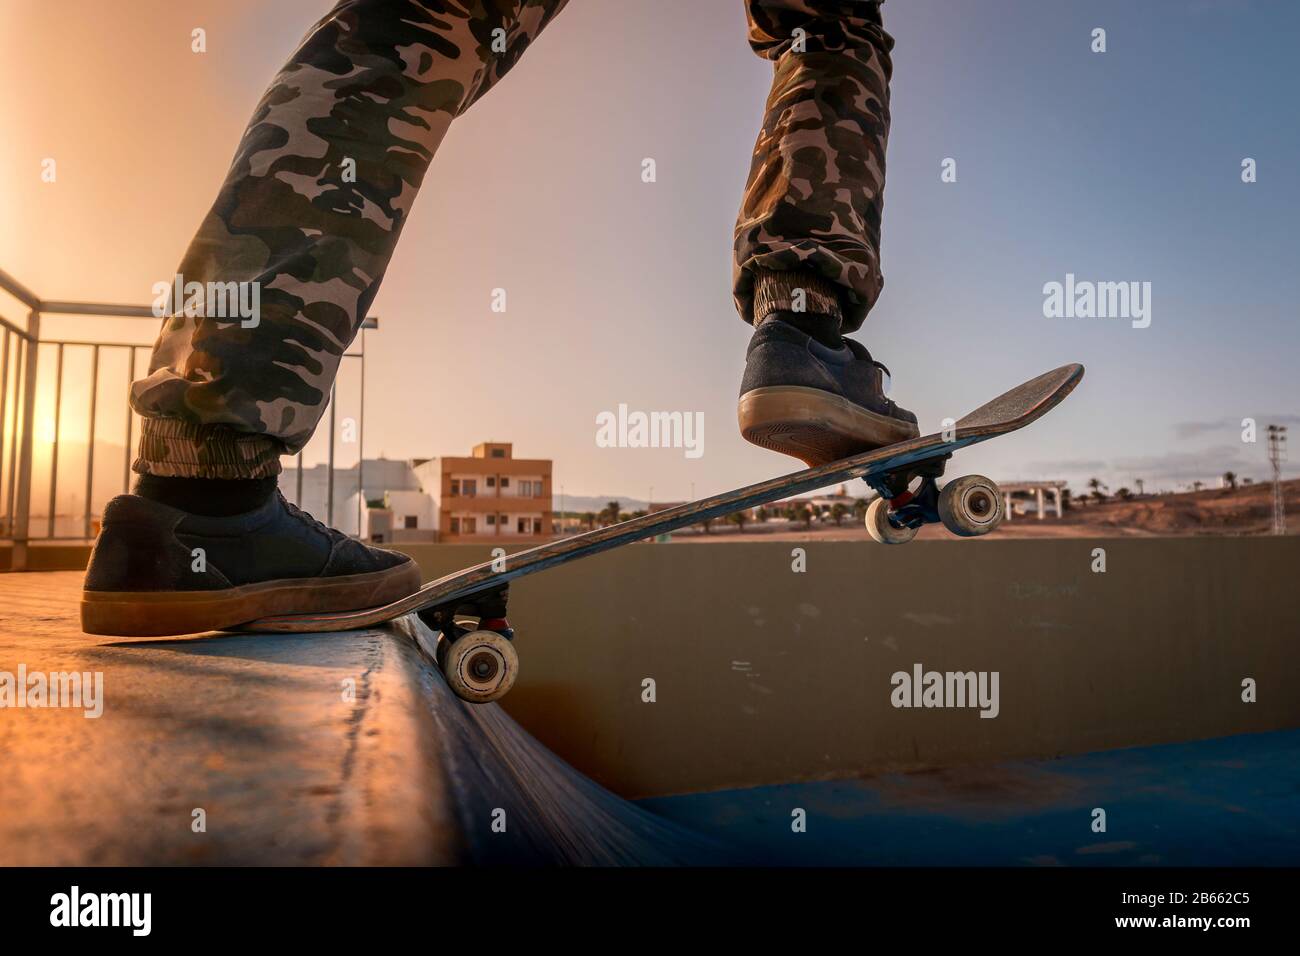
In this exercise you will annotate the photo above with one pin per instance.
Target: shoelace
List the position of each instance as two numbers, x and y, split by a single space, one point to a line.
299 513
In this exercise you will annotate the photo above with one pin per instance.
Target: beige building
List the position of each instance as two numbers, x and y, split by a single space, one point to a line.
489 496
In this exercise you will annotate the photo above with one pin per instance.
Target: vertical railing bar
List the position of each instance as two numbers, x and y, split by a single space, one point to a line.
4 402
23 501
130 422
20 365
329 493
54 452
90 436
361 438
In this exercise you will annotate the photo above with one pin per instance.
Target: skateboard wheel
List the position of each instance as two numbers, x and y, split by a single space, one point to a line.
479 666
970 506
882 529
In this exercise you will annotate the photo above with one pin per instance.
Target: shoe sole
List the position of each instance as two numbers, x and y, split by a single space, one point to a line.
162 613
815 426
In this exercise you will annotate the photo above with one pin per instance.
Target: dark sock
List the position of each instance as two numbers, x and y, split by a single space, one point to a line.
212 497
824 328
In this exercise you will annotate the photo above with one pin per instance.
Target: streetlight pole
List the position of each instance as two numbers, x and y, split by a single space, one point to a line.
1277 455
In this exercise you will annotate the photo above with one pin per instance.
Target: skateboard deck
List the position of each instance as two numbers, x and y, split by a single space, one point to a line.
889 470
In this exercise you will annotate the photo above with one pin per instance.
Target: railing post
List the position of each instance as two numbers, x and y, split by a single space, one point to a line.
6 525
361 437
130 420
23 503
54 451
329 491
90 440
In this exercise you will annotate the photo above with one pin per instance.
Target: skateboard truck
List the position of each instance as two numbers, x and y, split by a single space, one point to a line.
479 661
908 509
968 506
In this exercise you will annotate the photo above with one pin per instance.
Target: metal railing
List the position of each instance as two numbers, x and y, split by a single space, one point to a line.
20 350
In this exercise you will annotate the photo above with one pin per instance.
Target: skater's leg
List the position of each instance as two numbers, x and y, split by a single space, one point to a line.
810 218
807 242
310 212
307 219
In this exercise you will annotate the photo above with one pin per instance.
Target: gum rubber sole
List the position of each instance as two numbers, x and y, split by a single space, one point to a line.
813 425
162 613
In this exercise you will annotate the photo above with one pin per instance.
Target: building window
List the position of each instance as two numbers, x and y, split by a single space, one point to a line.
505 482
498 453
522 526
465 486
412 521
492 519
537 526
470 525
491 482
455 526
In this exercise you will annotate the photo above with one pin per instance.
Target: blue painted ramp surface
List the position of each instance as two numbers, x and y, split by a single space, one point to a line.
1231 801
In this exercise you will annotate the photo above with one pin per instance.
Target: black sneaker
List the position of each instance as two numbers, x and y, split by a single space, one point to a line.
819 404
157 570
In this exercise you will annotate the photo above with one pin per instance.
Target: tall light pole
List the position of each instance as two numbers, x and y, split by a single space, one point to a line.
1277 455
371 322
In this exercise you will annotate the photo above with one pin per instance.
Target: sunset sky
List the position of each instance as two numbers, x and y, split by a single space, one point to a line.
1118 166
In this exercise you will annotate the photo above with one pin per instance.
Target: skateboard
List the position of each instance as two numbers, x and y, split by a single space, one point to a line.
480 662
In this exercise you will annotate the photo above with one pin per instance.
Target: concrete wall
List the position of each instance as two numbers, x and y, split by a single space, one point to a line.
764 675
48 557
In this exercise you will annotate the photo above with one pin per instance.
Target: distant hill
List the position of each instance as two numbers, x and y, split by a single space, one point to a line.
581 504
1248 510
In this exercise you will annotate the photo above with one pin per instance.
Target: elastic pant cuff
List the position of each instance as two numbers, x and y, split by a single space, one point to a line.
799 291
171 448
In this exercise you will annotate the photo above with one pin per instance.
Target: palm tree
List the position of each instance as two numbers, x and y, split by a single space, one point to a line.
609 514
1099 489
1230 479
738 518
1124 494
838 511
860 506
589 519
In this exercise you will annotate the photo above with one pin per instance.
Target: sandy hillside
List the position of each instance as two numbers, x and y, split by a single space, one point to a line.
1245 511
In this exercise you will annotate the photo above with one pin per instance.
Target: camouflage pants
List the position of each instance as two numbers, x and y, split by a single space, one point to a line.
330 163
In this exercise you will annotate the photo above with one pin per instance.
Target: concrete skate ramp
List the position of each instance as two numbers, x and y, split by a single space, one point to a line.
516 802
255 750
